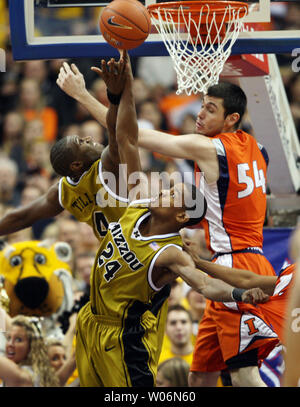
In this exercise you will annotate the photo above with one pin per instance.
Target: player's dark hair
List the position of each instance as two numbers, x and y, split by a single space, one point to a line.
61 156
195 205
234 98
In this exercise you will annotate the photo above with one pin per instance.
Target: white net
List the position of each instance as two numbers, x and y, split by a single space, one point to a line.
198 58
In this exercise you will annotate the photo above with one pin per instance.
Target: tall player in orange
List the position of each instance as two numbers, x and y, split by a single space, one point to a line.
233 174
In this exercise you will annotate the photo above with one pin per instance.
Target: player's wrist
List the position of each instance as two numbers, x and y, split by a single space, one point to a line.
82 95
113 98
236 294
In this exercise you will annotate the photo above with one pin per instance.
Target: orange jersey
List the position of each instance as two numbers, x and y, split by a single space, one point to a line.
237 201
275 309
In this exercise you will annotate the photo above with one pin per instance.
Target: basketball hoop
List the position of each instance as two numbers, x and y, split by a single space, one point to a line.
199 36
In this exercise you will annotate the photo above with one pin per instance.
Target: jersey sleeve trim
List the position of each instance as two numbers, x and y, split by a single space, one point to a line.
60 192
140 201
107 189
219 146
152 264
264 153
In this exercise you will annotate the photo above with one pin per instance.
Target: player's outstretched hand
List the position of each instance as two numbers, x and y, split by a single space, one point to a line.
113 73
254 296
71 81
190 247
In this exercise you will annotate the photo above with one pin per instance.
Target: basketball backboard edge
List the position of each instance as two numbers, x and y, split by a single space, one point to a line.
26 46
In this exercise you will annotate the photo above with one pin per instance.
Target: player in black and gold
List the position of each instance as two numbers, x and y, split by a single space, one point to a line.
82 190
120 331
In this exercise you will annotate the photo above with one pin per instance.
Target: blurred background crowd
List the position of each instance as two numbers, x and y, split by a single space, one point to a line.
34 113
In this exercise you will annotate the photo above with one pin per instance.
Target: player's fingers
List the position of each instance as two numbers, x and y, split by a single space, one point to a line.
104 66
265 298
75 69
113 66
96 70
122 64
61 77
62 71
67 67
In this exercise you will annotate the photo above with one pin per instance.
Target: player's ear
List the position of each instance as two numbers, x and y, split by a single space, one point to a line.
232 119
182 217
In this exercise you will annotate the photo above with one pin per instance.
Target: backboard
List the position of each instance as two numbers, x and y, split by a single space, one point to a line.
50 29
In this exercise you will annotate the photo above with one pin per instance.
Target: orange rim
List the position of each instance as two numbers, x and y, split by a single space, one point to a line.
193 8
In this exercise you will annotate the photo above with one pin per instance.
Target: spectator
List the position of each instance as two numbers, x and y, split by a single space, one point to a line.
148 110
179 331
99 90
63 366
37 158
56 353
26 363
94 130
33 131
141 91
68 232
9 191
12 130
29 194
197 304
83 267
32 106
89 242
176 296
173 373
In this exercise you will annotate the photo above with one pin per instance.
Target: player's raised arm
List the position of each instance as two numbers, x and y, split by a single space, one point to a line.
72 82
181 264
112 74
127 136
194 147
46 206
191 146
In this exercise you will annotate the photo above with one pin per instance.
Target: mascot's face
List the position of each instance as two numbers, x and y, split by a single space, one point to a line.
32 274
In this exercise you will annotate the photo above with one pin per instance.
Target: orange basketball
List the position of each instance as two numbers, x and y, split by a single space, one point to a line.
125 24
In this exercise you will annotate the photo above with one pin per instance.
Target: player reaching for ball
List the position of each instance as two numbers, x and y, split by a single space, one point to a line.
234 169
120 331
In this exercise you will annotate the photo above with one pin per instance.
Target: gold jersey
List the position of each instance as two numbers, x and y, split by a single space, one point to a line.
90 200
121 281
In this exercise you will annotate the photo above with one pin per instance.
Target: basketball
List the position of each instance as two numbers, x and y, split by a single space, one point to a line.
125 24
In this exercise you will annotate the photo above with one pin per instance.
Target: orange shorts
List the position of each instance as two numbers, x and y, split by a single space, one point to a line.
225 332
